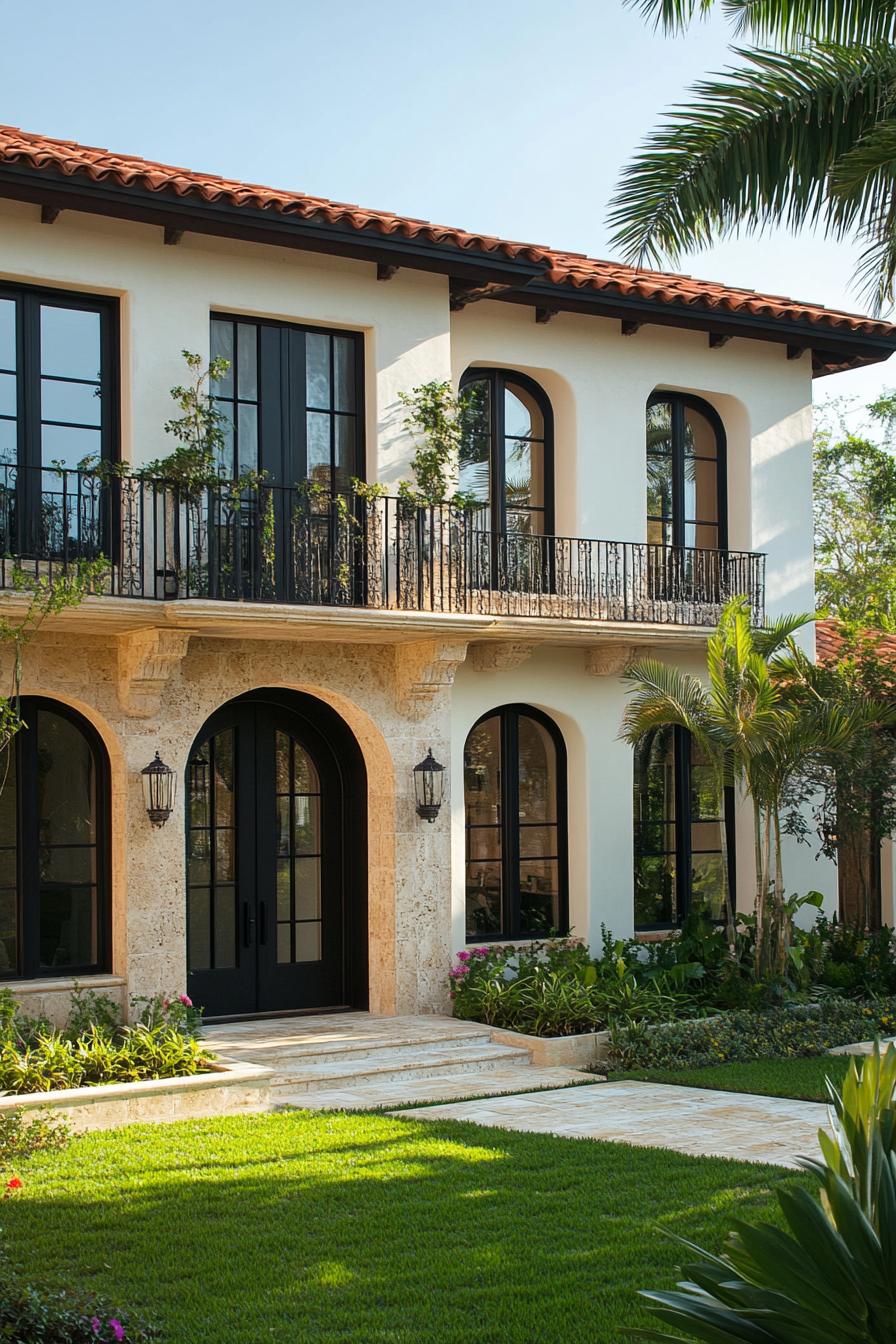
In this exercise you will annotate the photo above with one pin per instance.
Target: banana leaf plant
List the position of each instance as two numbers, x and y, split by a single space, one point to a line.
829 1276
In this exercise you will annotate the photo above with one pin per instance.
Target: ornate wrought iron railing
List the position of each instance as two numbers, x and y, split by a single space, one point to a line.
301 546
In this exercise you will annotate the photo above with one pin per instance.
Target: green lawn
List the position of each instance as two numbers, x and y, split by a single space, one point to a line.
327 1227
800 1078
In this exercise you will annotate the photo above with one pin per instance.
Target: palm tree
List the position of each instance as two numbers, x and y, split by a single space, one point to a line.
802 132
757 733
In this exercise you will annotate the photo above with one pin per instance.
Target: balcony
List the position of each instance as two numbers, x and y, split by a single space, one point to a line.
298 547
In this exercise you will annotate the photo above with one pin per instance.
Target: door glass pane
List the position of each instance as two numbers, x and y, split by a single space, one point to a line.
247 361
225 927
482 806
247 430
475 451
659 486
307 888
345 452
484 900
539 896
518 490
656 897
317 370
67 448
483 842
76 403
212 896
519 410
8 394
199 948
8 449
318 439
7 334
659 427
66 784
67 919
308 942
70 343
222 343
344 382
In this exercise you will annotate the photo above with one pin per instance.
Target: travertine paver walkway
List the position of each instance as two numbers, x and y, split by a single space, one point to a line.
689 1120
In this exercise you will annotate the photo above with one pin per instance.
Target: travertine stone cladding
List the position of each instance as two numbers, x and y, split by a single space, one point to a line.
409 861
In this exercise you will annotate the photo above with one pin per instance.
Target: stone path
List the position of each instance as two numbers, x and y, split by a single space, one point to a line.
358 1061
690 1120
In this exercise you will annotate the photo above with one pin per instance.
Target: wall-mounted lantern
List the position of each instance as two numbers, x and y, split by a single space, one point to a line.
429 786
158 790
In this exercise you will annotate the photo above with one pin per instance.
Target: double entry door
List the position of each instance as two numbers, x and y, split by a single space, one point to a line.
267 874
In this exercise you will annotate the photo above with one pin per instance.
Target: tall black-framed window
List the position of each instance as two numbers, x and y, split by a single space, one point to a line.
686 473
507 456
683 829
293 398
516 829
54 846
58 409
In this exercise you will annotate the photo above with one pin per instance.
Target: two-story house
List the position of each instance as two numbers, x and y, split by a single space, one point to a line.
293 652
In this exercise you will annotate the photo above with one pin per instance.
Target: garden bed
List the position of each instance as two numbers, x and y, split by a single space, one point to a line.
224 1088
585 1050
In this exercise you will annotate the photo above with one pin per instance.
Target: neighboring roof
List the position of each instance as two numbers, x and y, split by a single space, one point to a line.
35 167
829 640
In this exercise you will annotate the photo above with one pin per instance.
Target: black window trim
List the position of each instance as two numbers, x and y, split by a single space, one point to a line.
679 402
299 429
29 299
28 902
683 852
508 716
498 379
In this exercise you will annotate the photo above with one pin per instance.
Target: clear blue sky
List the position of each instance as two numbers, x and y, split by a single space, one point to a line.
509 118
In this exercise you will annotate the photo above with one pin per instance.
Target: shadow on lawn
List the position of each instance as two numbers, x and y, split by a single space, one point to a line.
364 1228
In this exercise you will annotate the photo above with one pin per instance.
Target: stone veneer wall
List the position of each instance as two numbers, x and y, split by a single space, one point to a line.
393 703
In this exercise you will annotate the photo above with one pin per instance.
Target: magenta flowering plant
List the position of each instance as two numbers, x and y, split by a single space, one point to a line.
177 1011
541 988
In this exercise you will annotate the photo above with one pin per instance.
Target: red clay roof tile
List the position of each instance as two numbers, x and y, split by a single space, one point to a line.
829 641
568 269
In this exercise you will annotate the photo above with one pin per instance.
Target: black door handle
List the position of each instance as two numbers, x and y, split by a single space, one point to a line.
248 924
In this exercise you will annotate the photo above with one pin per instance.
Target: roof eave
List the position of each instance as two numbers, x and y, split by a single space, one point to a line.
165 208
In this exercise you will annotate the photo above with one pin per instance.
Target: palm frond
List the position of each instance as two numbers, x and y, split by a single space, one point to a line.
842 22
754 146
779 632
671 15
662 695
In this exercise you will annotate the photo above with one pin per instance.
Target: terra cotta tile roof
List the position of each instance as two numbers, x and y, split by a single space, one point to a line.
829 641
566 269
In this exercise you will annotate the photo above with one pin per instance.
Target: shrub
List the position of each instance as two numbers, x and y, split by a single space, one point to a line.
32 1316
23 1135
139 1052
91 1010
176 1011
787 1032
828 1276
554 989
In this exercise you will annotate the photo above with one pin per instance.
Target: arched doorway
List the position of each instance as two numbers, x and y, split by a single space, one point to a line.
276 859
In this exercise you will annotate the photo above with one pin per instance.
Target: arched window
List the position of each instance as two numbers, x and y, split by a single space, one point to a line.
515 811
507 457
54 863
684 832
686 480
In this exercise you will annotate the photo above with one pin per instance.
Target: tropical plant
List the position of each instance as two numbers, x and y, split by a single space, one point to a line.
854 492
756 739
802 132
200 431
829 1277
437 419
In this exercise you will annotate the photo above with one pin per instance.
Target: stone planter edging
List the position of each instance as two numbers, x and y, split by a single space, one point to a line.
573 1052
224 1089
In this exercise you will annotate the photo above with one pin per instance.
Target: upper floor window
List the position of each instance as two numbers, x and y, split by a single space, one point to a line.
684 837
686 483
507 459
293 399
57 379
515 811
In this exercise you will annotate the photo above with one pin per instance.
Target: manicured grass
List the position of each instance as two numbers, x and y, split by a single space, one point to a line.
799 1078
371 1229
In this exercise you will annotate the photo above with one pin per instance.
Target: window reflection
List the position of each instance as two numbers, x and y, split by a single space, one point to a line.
683 480
515 860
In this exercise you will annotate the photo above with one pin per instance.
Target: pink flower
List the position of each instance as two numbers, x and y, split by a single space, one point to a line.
463 956
96 1324
117 1329
166 1004
459 972
187 1002
480 952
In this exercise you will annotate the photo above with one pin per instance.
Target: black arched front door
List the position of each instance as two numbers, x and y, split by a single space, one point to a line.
276 838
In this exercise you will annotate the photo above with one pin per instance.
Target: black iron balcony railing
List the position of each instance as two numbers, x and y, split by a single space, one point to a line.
297 545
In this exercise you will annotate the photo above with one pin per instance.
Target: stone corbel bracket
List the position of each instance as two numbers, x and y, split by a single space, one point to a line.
422 670
611 660
500 657
147 659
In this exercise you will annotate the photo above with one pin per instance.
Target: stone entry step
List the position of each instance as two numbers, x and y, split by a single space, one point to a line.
358 1061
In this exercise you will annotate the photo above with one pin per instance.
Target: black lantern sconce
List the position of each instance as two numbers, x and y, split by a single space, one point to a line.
429 786
198 770
158 790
